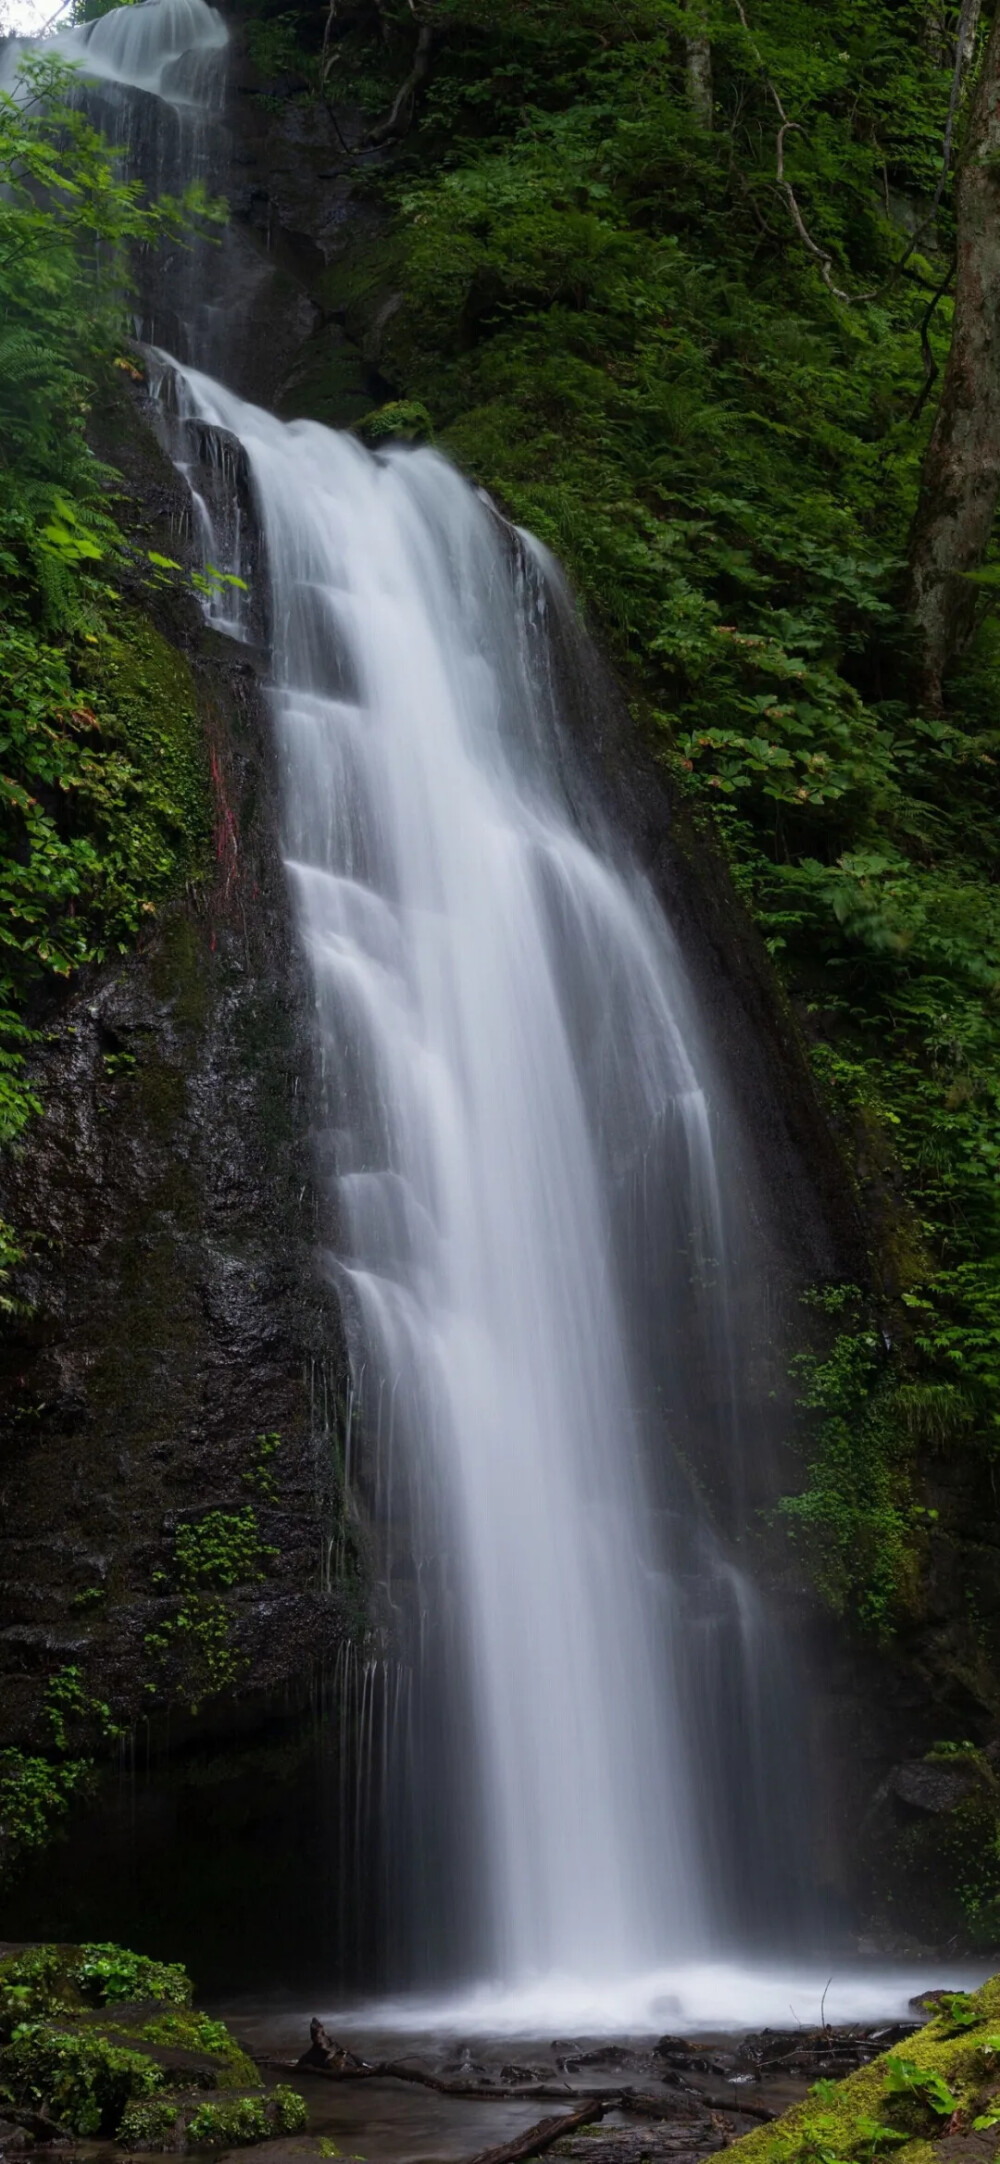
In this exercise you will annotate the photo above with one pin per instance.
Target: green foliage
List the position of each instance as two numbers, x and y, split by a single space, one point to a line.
67 1701
85 2082
260 1473
905 2078
189 2032
274 47
11 1250
101 792
34 1797
31 1982
897 2103
103 808
150 2123
612 321
960 2009
221 1550
856 1515
67 222
37 1788
247 2119
107 1975
405 419
950 1863
213 1556
116 2076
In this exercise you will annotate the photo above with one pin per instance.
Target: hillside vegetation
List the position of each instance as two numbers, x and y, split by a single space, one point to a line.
683 304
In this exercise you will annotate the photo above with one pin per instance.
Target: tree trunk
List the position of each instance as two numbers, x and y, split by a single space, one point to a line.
698 69
961 477
939 42
967 35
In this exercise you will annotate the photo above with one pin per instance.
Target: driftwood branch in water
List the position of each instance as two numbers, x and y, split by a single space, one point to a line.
399 2070
678 2103
329 2061
540 2137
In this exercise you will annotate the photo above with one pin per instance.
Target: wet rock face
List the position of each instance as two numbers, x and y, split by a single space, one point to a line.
930 1845
173 1312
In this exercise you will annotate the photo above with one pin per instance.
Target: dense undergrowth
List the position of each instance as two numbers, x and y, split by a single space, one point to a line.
105 2043
613 322
102 795
103 790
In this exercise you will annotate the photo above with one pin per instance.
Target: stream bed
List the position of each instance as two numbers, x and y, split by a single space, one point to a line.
682 2095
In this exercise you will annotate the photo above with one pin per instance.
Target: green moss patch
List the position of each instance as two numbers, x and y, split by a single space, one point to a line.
236 2121
945 2079
106 2044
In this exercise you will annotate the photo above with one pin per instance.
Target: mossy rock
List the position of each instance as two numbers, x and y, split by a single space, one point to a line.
219 2122
149 2071
404 419
933 1847
83 2082
146 693
945 2077
329 382
235 2122
49 1980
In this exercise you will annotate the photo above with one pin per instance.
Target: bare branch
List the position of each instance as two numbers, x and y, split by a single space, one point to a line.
400 114
823 256
931 370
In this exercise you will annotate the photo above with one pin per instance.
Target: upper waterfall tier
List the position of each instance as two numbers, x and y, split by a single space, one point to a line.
165 47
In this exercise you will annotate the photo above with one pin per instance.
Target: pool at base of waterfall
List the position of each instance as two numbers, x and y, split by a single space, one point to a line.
685 1997
679 2063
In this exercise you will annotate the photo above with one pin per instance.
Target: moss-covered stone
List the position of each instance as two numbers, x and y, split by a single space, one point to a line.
82 2081
945 2077
245 2119
329 383
933 1847
153 716
49 1980
105 2043
153 2122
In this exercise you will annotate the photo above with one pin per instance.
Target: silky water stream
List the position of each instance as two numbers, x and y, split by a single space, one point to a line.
510 1069
581 1734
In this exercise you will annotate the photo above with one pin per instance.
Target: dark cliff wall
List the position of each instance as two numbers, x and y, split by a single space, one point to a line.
176 1360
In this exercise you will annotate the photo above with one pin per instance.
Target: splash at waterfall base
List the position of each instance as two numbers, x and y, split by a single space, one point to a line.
229 1301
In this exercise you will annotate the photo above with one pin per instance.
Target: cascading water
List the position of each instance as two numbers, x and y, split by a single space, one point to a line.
506 1035
595 1774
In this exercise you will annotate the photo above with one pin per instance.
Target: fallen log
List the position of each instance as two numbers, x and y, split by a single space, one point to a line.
639 2102
729 2104
540 2137
675 2106
398 2070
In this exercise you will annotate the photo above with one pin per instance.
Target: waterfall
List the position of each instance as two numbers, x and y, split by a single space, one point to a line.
518 1142
506 1036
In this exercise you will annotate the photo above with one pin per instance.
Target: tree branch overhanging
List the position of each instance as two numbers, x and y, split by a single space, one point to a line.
965 38
400 115
399 118
823 256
